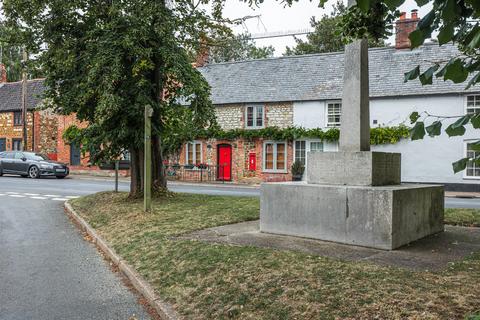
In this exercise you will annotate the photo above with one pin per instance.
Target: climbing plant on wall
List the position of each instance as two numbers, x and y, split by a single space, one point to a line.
379 135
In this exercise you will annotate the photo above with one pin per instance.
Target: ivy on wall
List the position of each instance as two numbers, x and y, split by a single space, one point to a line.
379 135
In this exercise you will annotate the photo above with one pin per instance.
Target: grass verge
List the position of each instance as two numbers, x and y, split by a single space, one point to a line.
463 217
211 281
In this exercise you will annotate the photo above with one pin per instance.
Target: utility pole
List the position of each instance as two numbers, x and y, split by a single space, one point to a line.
24 100
147 177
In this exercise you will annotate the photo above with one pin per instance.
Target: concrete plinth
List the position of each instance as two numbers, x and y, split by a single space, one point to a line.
384 217
361 168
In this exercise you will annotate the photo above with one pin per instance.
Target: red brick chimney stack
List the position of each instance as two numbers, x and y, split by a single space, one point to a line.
3 73
203 54
404 27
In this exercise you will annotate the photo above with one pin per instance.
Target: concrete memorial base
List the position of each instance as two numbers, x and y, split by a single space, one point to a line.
382 217
361 168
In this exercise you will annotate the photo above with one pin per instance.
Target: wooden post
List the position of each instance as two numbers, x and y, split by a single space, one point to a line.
116 175
24 100
147 186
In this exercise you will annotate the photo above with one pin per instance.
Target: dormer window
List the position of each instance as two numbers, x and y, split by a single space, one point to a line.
254 117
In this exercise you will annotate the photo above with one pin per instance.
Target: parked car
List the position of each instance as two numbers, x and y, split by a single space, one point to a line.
31 164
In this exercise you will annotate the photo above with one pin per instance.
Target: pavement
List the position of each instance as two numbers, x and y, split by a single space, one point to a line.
47 270
434 253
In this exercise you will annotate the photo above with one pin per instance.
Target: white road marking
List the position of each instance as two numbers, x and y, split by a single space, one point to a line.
52 195
31 194
16 196
59 199
39 198
1 194
72 197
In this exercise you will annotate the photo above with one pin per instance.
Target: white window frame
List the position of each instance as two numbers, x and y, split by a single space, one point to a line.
194 154
264 157
329 124
465 143
476 106
255 113
307 148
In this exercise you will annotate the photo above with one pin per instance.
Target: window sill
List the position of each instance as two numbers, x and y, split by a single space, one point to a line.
471 178
254 128
275 171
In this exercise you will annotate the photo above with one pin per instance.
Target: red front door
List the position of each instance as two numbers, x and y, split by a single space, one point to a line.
224 162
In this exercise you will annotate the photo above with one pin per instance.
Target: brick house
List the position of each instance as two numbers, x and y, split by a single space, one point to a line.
44 128
306 91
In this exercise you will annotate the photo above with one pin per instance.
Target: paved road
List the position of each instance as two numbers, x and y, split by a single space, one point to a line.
47 271
84 186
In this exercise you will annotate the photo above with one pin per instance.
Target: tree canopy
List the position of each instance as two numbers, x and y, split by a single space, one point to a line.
105 60
326 35
237 48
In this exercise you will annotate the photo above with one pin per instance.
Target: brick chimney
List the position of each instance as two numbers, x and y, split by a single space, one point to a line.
404 27
3 73
203 54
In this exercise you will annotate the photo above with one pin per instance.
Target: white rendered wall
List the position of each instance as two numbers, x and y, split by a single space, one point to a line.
427 160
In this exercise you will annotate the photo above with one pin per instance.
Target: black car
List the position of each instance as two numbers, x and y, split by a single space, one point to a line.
31 164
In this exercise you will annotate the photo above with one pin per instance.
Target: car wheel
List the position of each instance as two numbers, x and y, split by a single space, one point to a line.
60 177
33 172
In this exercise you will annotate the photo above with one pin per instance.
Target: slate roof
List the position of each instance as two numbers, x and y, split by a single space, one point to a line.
11 95
320 76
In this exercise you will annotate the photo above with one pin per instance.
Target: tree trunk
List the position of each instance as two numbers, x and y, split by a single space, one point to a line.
159 177
137 174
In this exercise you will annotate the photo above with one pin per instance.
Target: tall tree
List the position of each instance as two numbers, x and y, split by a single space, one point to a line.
104 60
11 56
325 37
237 48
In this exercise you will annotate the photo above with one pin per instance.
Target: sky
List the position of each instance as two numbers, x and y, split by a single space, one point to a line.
276 17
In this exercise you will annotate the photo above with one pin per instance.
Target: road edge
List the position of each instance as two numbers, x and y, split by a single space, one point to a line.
164 310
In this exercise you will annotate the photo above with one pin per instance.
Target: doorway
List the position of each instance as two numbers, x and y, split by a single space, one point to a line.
224 162
74 154
3 144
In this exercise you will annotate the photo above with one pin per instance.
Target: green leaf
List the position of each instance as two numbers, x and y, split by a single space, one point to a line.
473 81
461 121
434 129
426 22
427 76
475 42
475 121
450 10
460 165
364 5
475 146
394 4
421 3
418 131
417 38
412 74
455 131
456 72
475 4
446 34
414 117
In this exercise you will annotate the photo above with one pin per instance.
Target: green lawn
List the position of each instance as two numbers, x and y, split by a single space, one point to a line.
463 217
212 281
